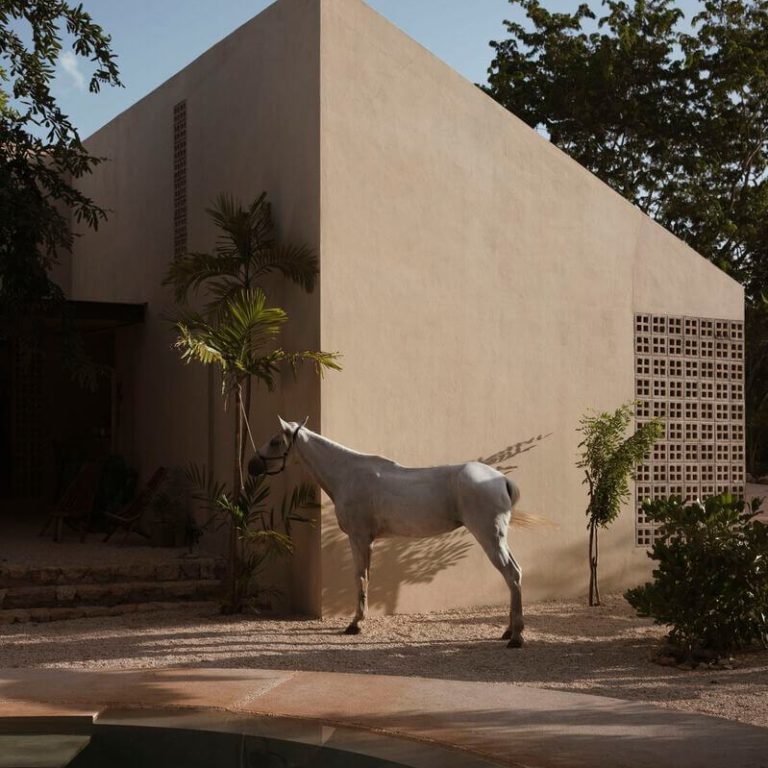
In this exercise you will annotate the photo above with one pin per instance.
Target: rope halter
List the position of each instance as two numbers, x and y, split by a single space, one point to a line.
259 464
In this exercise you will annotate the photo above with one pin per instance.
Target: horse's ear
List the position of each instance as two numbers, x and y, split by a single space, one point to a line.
304 423
284 426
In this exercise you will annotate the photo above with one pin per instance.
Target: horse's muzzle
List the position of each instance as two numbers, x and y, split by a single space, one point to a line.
257 466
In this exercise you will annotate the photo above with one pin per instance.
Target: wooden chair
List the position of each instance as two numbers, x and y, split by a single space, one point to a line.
75 506
129 517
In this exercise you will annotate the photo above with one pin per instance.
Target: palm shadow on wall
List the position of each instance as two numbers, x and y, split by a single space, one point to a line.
401 561
499 460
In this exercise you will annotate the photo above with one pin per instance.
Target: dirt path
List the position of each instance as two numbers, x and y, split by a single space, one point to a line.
602 651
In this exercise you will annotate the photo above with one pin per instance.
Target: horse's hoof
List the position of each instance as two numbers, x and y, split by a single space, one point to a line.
507 634
515 642
352 629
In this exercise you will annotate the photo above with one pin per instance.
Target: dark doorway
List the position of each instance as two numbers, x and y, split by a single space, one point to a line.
49 422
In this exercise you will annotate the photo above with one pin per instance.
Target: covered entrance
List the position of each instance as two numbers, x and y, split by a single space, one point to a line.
49 423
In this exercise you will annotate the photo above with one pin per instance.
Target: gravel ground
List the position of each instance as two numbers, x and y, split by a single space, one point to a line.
604 651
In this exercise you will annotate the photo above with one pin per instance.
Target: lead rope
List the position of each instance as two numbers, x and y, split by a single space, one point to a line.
247 425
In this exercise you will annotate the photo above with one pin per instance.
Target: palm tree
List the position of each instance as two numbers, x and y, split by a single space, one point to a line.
236 331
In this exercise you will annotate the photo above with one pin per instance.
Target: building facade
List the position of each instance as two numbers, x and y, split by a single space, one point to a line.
483 288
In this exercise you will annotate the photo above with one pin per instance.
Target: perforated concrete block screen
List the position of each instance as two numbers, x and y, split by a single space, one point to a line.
180 179
689 371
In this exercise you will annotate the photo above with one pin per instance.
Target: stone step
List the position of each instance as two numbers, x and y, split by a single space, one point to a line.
73 595
22 616
180 569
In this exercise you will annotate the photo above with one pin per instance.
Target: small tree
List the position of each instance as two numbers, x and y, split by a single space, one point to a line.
238 333
609 459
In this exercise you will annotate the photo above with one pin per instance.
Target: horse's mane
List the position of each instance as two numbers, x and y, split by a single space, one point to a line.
353 454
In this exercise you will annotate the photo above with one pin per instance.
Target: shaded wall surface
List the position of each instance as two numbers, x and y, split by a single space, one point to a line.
480 285
252 114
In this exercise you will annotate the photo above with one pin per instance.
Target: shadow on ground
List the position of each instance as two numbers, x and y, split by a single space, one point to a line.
603 652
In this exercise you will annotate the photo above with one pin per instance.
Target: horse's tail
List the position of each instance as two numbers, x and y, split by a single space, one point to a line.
524 519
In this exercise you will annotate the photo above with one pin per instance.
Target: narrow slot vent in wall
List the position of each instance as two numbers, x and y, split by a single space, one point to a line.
689 371
180 179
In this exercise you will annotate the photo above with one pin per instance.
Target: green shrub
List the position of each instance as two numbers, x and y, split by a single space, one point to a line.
711 581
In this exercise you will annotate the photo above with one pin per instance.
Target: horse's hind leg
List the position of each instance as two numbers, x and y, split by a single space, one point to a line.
361 558
493 540
513 575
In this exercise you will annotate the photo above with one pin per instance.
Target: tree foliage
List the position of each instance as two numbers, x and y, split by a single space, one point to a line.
609 459
41 154
670 112
756 386
672 116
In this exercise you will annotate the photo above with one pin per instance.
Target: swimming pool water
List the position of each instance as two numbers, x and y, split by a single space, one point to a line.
131 746
209 740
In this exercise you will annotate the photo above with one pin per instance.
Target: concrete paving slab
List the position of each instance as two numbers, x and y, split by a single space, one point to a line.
211 688
519 725
509 724
12 707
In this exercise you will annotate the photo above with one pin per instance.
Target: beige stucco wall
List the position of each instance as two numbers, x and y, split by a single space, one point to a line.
252 125
482 287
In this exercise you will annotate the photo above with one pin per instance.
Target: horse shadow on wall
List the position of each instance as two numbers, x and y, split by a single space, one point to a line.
401 561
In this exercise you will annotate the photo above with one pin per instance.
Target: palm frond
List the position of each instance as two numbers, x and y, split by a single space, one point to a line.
297 263
228 215
322 360
220 292
266 367
262 226
249 320
236 338
272 542
302 497
206 490
197 340
243 231
189 272
256 491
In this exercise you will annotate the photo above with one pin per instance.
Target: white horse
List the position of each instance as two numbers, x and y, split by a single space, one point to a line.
375 497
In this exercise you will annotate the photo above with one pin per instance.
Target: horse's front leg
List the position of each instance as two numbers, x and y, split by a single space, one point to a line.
361 558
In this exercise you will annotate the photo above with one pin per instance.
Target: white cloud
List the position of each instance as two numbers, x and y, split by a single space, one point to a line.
71 65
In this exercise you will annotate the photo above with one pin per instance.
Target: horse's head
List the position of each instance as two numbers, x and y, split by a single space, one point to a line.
273 456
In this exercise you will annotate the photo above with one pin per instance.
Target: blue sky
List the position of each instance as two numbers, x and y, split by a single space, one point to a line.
156 38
